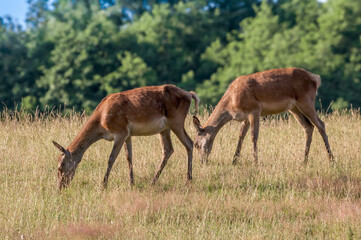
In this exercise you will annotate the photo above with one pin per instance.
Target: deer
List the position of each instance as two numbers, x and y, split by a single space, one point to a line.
141 111
250 97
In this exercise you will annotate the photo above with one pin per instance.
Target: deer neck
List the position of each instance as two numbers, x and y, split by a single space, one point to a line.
85 138
217 120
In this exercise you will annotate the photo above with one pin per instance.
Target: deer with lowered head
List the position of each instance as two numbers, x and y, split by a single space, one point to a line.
260 94
139 112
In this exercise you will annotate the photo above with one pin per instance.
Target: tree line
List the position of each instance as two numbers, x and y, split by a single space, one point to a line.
75 52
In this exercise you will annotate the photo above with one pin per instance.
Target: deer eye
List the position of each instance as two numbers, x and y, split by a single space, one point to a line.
61 166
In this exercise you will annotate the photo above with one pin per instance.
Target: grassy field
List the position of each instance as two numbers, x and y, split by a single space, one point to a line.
278 199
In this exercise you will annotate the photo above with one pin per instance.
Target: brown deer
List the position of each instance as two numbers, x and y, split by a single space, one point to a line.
138 112
269 92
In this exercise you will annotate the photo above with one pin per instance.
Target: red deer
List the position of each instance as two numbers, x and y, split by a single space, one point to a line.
139 112
269 92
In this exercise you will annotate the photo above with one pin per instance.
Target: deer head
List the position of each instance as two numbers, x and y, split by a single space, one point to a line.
66 166
203 141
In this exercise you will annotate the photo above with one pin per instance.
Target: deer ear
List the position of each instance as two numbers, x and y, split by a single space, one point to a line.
197 124
60 148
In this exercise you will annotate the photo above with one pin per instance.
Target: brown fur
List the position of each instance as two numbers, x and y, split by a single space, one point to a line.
260 94
138 112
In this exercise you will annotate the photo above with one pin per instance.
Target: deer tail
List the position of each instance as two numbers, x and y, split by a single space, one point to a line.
316 78
196 101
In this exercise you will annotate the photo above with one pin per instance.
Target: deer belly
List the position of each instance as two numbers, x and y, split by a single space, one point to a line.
277 107
148 127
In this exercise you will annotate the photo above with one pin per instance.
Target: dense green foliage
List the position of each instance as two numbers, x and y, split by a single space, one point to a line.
75 52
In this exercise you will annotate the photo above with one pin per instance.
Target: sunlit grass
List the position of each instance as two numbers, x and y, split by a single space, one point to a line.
276 199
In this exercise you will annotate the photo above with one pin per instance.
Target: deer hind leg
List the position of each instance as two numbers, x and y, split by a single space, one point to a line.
187 142
242 135
254 121
118 143
308 109
308 128
128 154
167 149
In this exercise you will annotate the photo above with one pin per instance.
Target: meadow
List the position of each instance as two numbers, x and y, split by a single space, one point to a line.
278 199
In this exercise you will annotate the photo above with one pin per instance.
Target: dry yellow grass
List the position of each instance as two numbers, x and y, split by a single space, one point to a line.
276 200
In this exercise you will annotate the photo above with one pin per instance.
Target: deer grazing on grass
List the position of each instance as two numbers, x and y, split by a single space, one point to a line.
138 112
269 92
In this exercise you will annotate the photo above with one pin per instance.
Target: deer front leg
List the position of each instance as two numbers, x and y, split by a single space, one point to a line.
254 121
167 149
118 143
242 135
128 154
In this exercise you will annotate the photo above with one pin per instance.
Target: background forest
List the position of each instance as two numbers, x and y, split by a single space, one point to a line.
75 52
